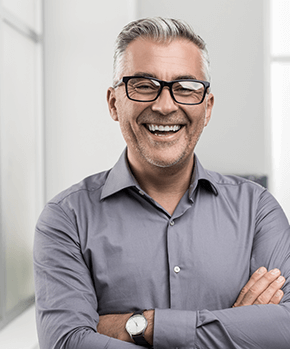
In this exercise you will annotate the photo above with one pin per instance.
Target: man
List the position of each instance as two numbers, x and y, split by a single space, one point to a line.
157 250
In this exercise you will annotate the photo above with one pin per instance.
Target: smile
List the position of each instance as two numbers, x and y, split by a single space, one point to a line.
161 130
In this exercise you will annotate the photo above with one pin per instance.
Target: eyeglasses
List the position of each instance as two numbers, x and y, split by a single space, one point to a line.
147 89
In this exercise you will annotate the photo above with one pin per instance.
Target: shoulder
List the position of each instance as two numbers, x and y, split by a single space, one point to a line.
233 183
244 193
88 186
227 183
73 205
77 199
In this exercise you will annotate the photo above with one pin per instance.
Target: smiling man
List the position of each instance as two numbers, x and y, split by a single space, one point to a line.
161 135
159 251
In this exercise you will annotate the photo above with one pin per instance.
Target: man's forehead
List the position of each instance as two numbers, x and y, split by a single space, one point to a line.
180 57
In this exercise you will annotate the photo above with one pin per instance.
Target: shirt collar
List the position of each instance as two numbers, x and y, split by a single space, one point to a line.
201 177
121 177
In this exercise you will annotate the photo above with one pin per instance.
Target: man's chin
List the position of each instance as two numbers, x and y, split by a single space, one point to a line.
165 162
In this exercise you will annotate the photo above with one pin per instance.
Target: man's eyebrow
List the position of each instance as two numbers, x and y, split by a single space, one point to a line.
146 75
185 77
178 77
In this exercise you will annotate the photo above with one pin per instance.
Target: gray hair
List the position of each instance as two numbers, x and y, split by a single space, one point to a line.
161 30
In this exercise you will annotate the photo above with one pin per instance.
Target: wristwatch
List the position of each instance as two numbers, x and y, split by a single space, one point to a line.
136 326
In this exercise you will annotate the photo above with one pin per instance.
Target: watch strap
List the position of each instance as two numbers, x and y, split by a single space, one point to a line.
138 312
139 338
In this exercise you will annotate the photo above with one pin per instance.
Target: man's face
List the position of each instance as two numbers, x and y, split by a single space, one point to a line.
177 60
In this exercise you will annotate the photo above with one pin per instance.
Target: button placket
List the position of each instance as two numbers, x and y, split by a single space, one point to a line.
176 269
175 261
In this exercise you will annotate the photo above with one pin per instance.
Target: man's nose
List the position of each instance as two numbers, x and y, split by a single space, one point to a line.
164 104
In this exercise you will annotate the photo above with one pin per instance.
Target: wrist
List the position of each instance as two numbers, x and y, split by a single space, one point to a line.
148 334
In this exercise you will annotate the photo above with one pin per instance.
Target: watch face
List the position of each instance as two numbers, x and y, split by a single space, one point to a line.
136 325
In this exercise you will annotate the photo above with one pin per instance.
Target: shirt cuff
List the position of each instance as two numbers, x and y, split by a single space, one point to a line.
174 328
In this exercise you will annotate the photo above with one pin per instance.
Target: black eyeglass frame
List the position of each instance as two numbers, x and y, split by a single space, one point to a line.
162 83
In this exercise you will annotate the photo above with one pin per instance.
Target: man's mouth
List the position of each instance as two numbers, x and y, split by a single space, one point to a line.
163 130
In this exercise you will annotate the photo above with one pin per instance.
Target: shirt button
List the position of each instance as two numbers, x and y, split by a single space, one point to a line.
176 269
141 192
172 223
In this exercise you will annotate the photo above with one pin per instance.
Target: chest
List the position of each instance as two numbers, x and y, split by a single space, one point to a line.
146 259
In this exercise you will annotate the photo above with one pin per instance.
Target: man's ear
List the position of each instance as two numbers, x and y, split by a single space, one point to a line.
209 106
111 100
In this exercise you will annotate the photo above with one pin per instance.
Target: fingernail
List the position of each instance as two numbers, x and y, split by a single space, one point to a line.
280 279
279 293
275 271
262 270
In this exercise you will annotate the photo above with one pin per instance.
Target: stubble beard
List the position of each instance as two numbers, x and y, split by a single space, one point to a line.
148 156
173 163
178 161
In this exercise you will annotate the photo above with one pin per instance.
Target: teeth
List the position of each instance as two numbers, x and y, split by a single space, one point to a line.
164 128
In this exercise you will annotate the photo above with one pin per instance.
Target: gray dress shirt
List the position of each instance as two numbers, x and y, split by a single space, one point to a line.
104 246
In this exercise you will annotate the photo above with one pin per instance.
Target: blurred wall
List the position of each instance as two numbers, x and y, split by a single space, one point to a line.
79 36
81 137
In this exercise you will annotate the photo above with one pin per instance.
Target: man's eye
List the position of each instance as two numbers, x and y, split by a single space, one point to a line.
183 90
145 86
188 88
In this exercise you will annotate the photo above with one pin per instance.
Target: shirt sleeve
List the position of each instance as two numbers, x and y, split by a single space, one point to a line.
66 301
250 327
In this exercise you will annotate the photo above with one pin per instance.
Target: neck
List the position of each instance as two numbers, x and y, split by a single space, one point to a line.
165 185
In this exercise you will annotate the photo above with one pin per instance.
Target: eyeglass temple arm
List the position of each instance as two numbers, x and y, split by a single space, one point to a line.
118 83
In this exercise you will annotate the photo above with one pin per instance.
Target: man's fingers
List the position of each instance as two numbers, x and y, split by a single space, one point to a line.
271 292
253 279
262 288
259 287
276 299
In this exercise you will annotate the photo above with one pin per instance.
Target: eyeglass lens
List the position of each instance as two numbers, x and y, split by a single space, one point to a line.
146 89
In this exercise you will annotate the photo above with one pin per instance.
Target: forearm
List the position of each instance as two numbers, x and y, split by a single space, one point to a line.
244 327
78 337
113 325
261 321
262 288
95 341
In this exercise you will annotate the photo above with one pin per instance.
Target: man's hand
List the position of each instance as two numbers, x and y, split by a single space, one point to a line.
264 287
113 325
